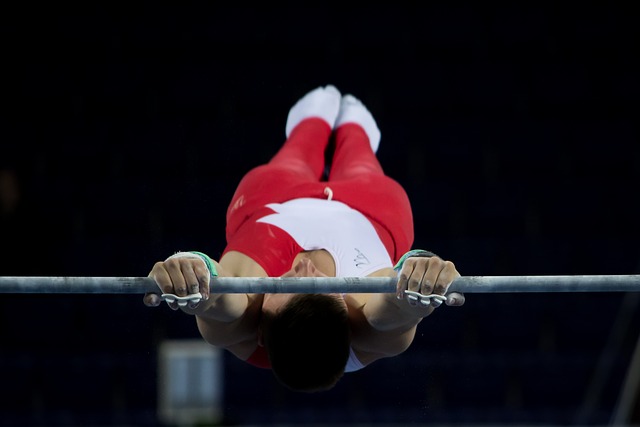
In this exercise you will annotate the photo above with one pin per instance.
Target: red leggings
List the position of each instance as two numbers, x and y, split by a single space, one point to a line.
356 179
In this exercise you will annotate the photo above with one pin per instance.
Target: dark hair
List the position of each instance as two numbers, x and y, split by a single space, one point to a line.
308 342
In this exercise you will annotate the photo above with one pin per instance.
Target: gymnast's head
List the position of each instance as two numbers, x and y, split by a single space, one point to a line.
307 336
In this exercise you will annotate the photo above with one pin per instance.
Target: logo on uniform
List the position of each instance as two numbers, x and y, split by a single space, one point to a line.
360 259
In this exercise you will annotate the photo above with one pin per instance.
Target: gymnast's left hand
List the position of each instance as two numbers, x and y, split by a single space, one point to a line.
180 276
428 276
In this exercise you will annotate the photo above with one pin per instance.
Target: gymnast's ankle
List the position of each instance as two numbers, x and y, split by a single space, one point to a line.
322 103
352 110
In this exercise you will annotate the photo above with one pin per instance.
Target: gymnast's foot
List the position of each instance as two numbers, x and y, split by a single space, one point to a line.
323 103
354 111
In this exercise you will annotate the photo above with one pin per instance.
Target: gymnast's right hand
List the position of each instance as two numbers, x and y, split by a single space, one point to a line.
182 274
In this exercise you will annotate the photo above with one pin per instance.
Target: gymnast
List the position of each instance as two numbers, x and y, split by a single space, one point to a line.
288 219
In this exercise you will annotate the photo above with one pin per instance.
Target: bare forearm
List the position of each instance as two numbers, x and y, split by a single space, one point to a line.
384 330
225 308
224 334
385 313
230 321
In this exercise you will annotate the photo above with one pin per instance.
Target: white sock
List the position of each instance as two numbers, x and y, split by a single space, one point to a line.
323 103
354 111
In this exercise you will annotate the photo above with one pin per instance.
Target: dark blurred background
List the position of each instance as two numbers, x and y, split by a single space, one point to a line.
514 129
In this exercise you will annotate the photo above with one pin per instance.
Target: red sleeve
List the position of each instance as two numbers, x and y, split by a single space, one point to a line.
271 247
260 358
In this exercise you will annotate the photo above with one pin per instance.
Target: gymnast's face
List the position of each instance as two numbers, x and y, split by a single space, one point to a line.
304 268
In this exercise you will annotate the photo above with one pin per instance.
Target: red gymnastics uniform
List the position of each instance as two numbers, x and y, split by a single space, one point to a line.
356 179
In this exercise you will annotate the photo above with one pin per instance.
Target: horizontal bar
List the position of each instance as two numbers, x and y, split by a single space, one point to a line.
469 284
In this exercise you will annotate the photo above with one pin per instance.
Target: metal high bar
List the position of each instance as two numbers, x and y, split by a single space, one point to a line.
468 284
